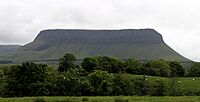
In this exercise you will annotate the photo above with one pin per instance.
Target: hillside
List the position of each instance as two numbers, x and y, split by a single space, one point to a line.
143 44
6 49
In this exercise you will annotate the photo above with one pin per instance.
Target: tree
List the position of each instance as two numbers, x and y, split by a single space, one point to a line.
102 82
66 62
90 64
142 86
123 84
158 68
1 81
22 79
177 70
194 71
133 66
112 65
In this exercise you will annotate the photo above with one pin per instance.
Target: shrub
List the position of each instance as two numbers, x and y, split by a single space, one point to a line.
102 82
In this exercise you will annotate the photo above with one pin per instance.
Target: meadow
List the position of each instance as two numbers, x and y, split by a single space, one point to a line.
186 83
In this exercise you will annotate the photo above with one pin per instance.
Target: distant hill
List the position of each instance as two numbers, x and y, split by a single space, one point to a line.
143 44
6 49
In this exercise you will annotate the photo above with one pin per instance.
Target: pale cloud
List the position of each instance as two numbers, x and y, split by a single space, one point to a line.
177 20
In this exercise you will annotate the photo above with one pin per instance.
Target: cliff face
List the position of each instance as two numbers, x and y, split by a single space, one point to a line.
145 44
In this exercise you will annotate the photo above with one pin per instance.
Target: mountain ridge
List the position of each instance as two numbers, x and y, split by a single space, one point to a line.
145 44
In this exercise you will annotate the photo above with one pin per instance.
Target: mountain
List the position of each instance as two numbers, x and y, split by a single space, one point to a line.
6 49
143 44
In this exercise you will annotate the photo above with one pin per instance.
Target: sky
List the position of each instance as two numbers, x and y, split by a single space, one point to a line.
177 20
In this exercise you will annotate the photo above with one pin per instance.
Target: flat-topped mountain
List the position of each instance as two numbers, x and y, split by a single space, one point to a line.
143 44
100 36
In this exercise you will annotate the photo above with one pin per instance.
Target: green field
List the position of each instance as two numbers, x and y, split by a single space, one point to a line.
103 99
187 83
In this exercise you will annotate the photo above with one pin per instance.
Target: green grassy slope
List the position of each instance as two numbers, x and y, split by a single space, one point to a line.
139 51
187 83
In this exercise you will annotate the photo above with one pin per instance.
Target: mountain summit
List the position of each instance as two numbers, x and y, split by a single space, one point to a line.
143 44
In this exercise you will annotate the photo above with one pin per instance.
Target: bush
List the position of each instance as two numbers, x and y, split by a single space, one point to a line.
158 88
102 82
123 85
142 86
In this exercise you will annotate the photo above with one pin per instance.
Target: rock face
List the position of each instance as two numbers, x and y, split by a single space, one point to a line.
143 44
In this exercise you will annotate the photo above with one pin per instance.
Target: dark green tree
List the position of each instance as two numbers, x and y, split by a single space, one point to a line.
133 66
22 79
158 68
90 64
1 81
112 65
123 85
194 71
142 86
177 70
66 62
102 82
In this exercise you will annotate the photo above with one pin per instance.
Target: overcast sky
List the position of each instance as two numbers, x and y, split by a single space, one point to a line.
177 20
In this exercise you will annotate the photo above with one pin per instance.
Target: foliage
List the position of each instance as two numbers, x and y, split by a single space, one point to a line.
101 82
90 64
112 65
194 71
66 62
177 70
22 79
133 66
97 76
142 86
174 87
159 89
123 85
158 68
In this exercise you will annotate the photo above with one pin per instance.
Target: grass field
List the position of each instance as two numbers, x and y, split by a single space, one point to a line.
103 99
187 83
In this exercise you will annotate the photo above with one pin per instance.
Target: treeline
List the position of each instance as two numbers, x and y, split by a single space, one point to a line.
96 76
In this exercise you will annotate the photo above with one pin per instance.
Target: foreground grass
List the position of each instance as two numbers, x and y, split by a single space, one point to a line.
104 99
